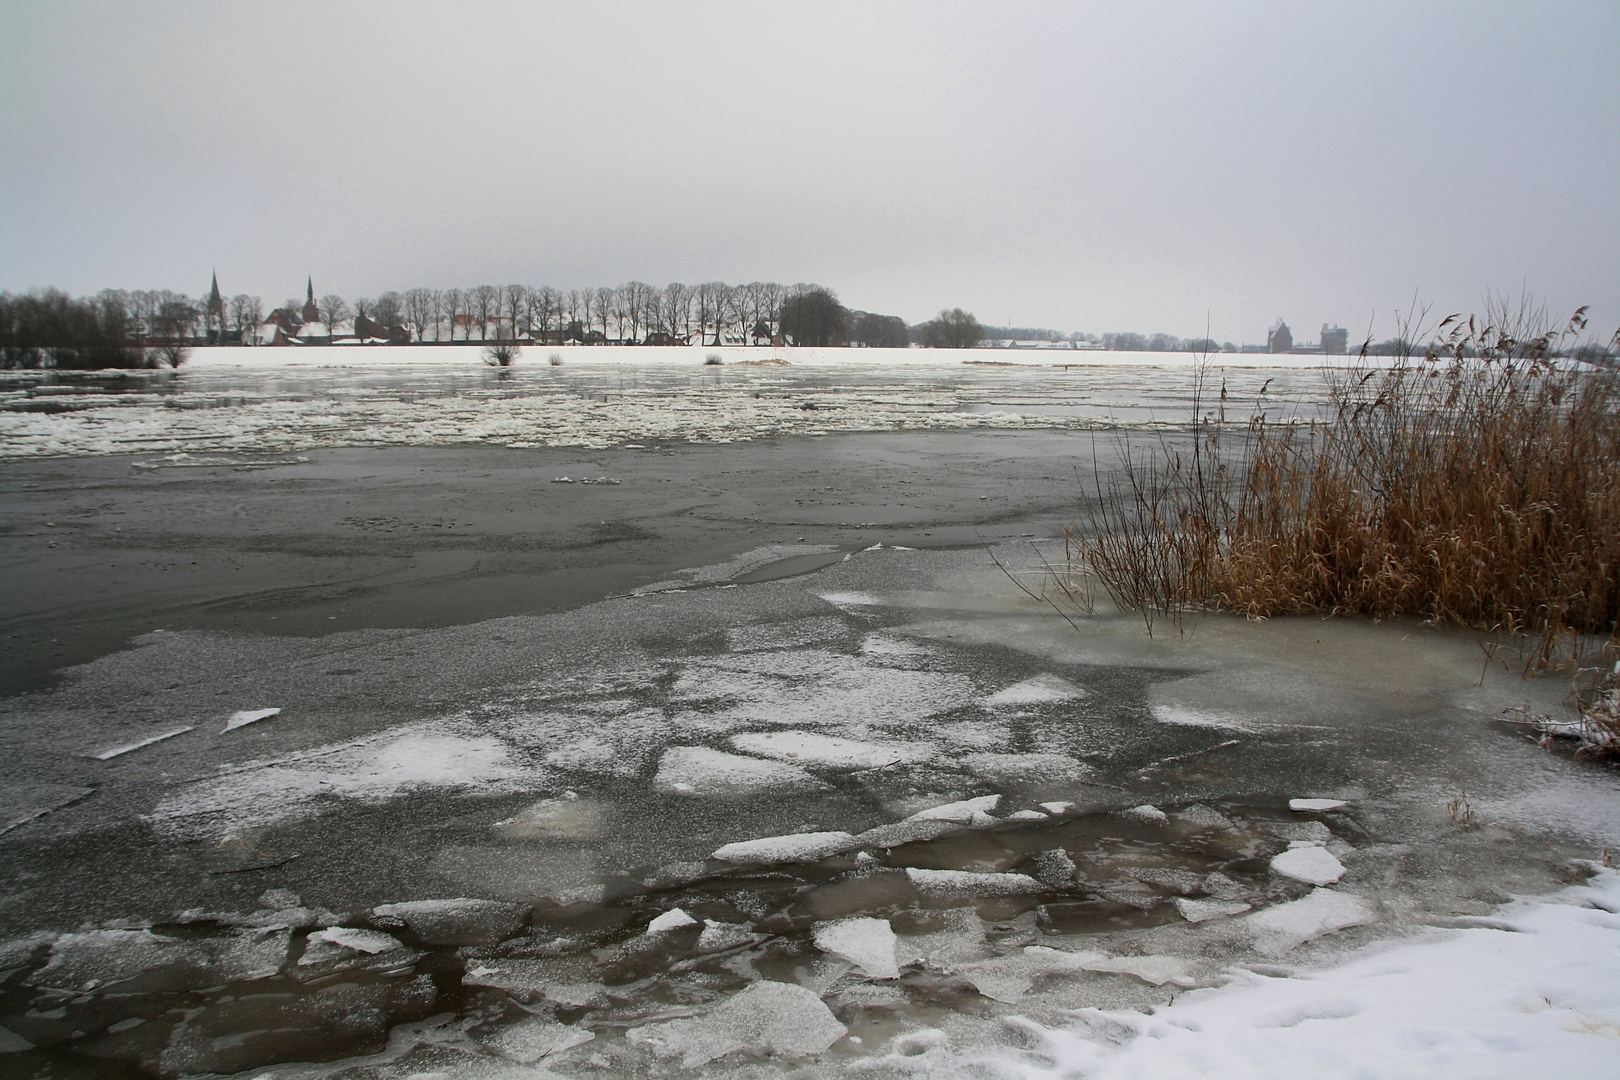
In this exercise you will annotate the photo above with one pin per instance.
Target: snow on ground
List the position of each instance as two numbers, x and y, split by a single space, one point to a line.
1532 991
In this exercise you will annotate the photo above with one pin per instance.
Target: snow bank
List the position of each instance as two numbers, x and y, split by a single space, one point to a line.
1535 994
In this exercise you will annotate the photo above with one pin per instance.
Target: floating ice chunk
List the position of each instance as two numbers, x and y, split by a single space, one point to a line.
961 811
814 749
906 832
127 959
1040 690
535 1037
1311 832
460 921
1202 817
1315 805
1054 868
1008 978
13 1043
1308 863
1027 815
369 942
1278 929
673 919
967 883
1057 808
800 847
982 820
718 936
1157 970
248 716
1177 880
851 599
555 819
698 770
1147 813
118 751
869 944
1024 768
1197 911
765 1018
247 955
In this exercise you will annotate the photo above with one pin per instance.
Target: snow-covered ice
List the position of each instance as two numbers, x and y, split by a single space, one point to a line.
1197 911
1314 805
699 770
1279 929
673 919
867 943
248 716
799 847
536 1037
460 921
1308 863
968 883
812 748
764 1018
1147 813
961 811
119 751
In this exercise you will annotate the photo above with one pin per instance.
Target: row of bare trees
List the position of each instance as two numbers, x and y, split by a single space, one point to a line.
710 313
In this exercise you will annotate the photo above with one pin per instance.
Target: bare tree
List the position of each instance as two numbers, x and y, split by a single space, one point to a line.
417 307
455 305
246 311
514 305
334 309
388 311
363 307
483 304
607 307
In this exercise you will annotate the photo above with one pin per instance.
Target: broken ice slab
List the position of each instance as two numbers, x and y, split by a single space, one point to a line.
108 755
698 770
348 949
555 819
460 921
951 937
961 811
906 832
810 748
720 936
1279 929
1008 978
673 919
1315 805
535 1037
1027 815
1057 808
1054 868
248 716
130 961
766 1018
1308 863
867 943
799 847
1202 817
1147 813
967 883
1197 911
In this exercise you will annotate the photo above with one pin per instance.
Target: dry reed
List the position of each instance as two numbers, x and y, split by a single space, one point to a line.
1476 484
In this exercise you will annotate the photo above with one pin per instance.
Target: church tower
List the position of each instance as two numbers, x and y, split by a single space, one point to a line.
311 312
214 313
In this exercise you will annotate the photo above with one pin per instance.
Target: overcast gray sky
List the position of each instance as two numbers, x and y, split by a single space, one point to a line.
1080 166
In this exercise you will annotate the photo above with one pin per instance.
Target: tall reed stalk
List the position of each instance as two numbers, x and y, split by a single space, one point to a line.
1476 484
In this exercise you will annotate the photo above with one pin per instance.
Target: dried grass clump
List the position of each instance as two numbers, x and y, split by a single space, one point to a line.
1477 484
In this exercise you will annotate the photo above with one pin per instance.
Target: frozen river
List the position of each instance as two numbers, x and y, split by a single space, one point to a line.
389 755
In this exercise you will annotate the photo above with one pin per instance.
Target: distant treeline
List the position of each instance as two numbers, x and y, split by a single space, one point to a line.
113 329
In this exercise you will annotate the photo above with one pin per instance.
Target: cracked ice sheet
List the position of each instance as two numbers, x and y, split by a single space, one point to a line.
815 688
256 794
1485 1003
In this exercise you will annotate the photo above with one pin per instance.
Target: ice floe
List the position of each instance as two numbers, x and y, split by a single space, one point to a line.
1197 911
799 847
1309 863
126 748
867 943
699 770
1010 769
1279 929
1147 813
968 883
536 1037
1316 805
961 811
248 716
556 819
460 921
765 1018
811 748
673 919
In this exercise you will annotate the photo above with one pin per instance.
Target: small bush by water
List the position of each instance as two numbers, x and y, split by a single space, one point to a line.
1476 484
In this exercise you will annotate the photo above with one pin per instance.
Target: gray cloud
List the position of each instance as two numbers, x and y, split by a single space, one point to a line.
1080 166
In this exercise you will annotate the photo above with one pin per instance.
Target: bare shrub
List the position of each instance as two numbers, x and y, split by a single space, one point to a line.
502 351
555 359
1477 484
712 359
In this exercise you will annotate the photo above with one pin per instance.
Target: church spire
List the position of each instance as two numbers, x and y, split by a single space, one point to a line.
311 312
